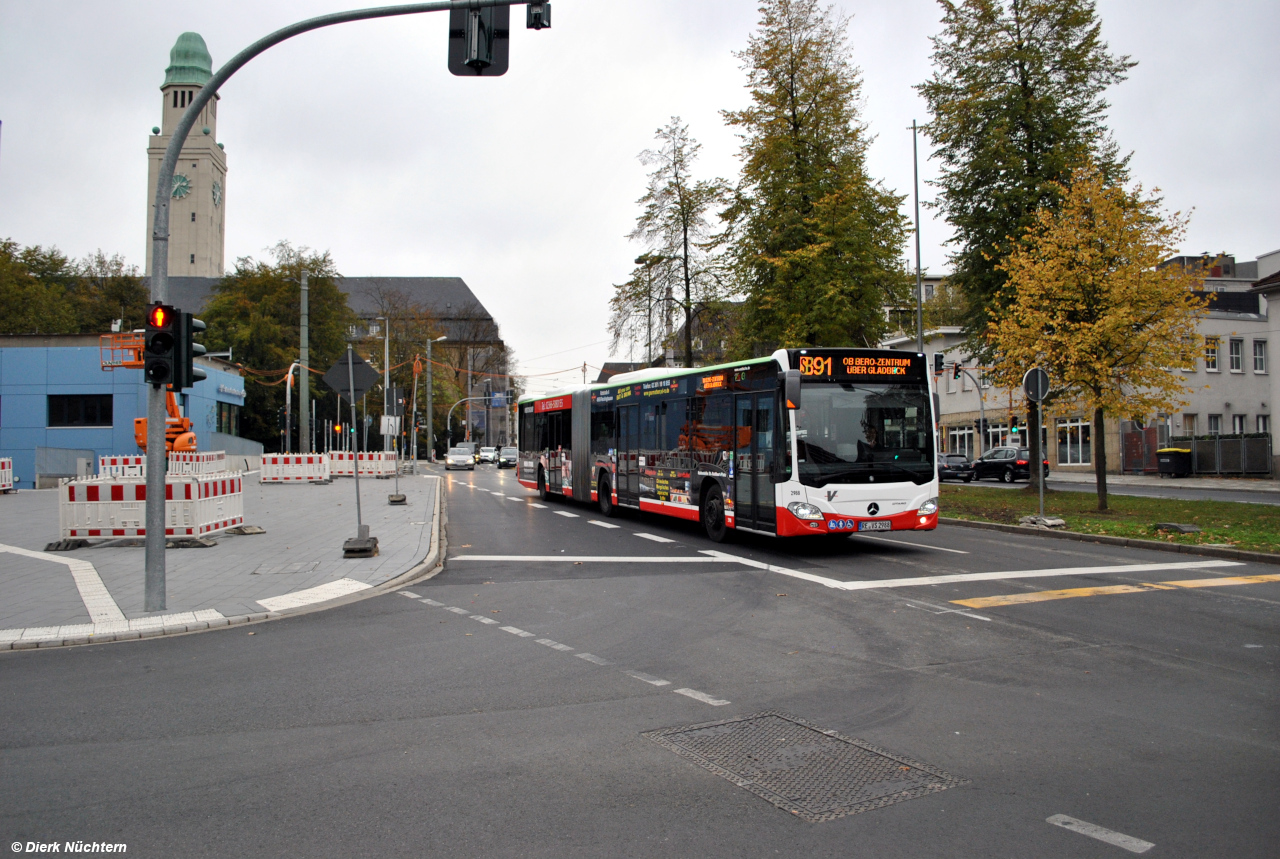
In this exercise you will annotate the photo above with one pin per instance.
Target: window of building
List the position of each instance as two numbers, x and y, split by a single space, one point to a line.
193 217
1215 424
193 259
998 436
79 410
1264 423
947 374
229 418
1189 423
960 440
1237 424
1235 355
1074 442
1259 356
1211 354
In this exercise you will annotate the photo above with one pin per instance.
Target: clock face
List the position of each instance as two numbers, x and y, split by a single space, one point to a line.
181 186
217 193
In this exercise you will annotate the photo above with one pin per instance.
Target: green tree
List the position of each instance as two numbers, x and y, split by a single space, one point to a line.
33 291
1087 300
108 289
677 267
1016 103
256 312
815 242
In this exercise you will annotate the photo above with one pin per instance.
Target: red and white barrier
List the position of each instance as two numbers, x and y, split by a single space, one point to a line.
294 467
376 464
122 466
6 474
205 462
196 505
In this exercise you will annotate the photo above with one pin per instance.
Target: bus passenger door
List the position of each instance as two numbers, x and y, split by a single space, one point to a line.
628 442
753 503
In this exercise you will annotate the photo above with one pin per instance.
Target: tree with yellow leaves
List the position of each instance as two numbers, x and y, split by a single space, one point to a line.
1087 300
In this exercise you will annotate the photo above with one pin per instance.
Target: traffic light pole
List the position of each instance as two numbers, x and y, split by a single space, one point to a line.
156 455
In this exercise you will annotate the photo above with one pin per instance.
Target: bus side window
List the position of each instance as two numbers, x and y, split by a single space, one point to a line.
601 432
540 431
648 428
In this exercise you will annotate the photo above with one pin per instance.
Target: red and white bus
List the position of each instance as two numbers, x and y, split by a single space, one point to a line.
803 442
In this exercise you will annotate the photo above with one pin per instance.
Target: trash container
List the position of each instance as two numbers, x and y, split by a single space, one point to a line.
1174 461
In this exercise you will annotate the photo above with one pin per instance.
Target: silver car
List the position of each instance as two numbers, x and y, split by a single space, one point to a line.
459 457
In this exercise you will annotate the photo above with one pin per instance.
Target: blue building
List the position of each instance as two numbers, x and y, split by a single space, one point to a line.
58 406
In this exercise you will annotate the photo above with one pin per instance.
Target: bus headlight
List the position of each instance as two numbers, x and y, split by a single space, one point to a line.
804 510
929 507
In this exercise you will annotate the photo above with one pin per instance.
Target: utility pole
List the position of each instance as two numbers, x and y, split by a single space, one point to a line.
431 415
915 174
466 431
304 380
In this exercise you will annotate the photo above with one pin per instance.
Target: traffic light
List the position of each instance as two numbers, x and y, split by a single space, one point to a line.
955 370
185 372
479 41
158 358
938 364
537 16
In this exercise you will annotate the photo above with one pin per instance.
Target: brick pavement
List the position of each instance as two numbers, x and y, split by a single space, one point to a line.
46 601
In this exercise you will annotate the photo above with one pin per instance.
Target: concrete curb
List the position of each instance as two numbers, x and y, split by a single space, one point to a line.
1127 542
430 566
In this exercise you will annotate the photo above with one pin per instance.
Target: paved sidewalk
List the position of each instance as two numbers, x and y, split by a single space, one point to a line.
96 593
1235 484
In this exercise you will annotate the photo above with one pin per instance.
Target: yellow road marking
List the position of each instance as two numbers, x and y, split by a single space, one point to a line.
1044 596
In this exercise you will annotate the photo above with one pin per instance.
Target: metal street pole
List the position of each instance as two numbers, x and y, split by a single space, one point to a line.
351 389
431 415
154 591
982 410
304 381
915 175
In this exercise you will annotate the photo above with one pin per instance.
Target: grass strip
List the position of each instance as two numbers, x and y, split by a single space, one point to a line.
1251 527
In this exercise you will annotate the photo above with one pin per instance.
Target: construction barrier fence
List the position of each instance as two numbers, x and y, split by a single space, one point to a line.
196 505
294 467
376 464
6 474
122 466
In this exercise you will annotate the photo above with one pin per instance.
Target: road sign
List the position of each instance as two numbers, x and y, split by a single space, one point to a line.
390 425
479 41
365 377
1035 382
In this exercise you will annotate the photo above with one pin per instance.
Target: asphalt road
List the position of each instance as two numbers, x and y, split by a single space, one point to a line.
401 727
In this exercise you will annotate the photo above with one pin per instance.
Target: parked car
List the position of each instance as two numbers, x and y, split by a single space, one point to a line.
1006 464
488 454
955 466
508 457
460 457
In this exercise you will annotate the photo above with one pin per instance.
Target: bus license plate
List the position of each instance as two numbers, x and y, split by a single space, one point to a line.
876 525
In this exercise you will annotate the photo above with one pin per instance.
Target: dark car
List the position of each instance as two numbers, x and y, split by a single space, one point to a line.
508 457
1005 464
955 466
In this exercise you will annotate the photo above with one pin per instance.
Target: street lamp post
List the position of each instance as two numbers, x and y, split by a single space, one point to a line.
154 585
431 415
304 380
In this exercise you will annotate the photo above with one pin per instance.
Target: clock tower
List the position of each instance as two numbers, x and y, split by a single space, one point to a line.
197 211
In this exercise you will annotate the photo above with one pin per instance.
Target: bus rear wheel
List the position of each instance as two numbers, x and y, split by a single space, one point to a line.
713 515
604 494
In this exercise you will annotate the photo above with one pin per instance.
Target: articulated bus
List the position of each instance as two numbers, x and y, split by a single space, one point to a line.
804 442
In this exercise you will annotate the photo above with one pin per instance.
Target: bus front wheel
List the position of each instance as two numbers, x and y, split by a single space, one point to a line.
713 515
604 495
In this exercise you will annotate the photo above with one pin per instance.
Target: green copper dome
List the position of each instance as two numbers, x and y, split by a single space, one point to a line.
189 62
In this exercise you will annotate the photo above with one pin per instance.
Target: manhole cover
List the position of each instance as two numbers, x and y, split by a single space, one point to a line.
815 774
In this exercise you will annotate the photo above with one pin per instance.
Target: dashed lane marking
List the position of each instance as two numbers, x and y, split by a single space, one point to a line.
432 602
647 678
1141 587
456 610
654 537
907 543
566 514
482 618
411 595
1126 842
516 631
600 524
554 645
702 696
593 658
536 504
513 498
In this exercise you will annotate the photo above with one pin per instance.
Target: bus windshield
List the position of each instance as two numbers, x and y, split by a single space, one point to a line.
850 433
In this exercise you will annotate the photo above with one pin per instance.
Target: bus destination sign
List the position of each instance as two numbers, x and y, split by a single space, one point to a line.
839 365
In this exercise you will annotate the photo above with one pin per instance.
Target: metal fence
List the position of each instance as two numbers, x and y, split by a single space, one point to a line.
1228 454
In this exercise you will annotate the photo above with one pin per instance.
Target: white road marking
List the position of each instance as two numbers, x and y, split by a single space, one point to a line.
513 498
536 504
456 610
593 658
602 524
908 543
938 609
603 559
554 645
654 537
702 696
647 678
320 593
482 618
410 594
432 602
566 514
97 599
761 565
1126 842
499 494
514 631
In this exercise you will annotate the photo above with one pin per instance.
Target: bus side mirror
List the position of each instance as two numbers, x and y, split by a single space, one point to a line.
791 388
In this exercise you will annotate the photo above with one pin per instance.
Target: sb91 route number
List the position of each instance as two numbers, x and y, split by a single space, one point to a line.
811 366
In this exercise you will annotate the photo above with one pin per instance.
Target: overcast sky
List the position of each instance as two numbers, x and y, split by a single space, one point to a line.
356 139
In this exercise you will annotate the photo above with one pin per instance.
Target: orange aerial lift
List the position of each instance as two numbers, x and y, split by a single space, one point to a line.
126 350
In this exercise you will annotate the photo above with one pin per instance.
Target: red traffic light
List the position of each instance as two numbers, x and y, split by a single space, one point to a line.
160 317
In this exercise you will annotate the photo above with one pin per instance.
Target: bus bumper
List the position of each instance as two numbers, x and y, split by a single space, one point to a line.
791 526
